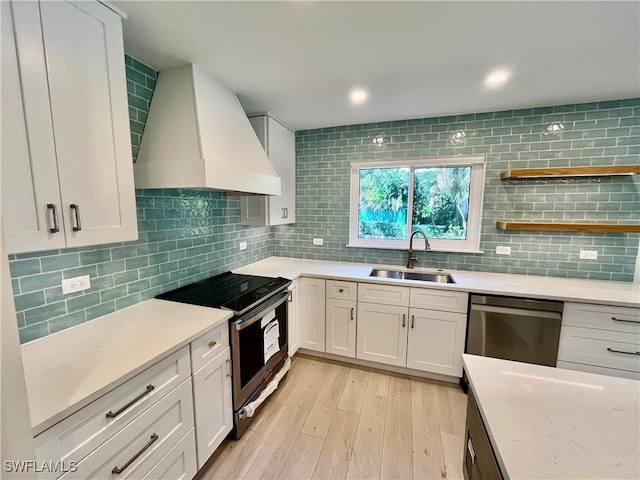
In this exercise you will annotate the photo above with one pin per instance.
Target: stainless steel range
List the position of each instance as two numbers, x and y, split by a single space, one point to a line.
258 333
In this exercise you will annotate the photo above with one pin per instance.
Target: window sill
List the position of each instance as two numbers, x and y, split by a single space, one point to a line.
446 250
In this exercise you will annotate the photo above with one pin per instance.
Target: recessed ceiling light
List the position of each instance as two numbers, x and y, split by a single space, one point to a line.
358 96
497 78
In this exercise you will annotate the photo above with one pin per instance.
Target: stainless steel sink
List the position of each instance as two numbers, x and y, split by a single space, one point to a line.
421 276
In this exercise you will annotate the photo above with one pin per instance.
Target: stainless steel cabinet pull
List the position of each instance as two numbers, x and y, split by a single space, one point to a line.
290 297
623 320
622 351
352 309
404 319
118 471
413 318
76 208
286 212
149 389
212 343
54 212
228 368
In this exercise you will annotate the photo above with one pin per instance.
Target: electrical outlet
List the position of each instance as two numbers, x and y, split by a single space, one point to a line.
318 241
76 284
243 245
588 254
502 250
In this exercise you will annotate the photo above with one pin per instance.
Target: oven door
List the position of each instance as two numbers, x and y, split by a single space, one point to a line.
258 346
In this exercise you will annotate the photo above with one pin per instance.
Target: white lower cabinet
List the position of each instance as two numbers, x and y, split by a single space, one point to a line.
213 407
293 318
341 327
382 333
137 448
436 341
179 463
312 313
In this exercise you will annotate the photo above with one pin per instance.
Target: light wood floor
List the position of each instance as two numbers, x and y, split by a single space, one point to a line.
333 421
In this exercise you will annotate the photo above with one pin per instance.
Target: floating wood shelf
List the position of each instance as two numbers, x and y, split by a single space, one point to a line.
595 171
569 227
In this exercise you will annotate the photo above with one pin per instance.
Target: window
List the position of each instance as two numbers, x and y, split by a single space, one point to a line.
441 197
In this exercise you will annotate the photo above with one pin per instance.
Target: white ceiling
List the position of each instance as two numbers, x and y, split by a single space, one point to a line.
299 60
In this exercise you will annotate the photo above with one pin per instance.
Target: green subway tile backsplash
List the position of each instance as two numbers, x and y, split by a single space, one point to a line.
596 133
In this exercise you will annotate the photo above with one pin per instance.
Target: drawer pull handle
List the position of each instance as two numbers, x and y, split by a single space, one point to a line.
54 213
623 320
622 351
118 471
340 290
212 343
228 368
149 389
413 319
404 319
352 309
76 209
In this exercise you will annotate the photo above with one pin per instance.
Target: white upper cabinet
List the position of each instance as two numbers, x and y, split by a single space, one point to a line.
279 143
67 173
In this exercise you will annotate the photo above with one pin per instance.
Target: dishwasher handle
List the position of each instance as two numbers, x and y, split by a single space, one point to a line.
516 311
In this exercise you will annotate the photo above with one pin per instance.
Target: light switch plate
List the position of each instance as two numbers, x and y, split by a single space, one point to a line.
588 254
502 250
318 241
243 245
76 284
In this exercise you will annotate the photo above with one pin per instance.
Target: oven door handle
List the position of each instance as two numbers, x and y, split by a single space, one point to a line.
279 300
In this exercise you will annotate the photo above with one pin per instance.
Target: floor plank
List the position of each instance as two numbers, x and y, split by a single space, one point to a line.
452 404
353 393
303 458
321 415
378 383
273 455
396 460
428 457
292 381
453 446
238 456
336 452
367 446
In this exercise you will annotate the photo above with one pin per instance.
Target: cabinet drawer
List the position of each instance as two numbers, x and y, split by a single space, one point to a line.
443 300
138 447
342 290
619 319
612 372
383 294
78 435
593 347
179 463
209 346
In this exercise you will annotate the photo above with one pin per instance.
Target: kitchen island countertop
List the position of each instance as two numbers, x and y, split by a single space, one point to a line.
551 423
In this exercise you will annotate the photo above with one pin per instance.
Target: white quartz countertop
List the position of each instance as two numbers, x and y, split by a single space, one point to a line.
69 369
551 423
565 289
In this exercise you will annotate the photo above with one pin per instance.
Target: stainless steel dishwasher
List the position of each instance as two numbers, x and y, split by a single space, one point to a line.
517 329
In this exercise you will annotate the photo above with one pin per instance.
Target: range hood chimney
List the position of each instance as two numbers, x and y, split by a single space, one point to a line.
198 136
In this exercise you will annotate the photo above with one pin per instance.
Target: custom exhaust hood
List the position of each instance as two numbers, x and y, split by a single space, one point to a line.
198 136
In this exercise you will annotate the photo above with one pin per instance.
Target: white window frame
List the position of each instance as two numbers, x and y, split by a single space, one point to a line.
474 222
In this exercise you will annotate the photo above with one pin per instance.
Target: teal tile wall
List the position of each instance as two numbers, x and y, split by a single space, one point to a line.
185 235
605 133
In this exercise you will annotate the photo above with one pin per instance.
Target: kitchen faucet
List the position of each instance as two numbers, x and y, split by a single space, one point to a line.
411 260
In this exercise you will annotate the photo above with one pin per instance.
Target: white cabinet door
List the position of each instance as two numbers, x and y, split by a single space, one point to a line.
279 142
312 314
293 318
87 86
436 341
68 156
213 407
341 327
179 463
30 191
382 333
